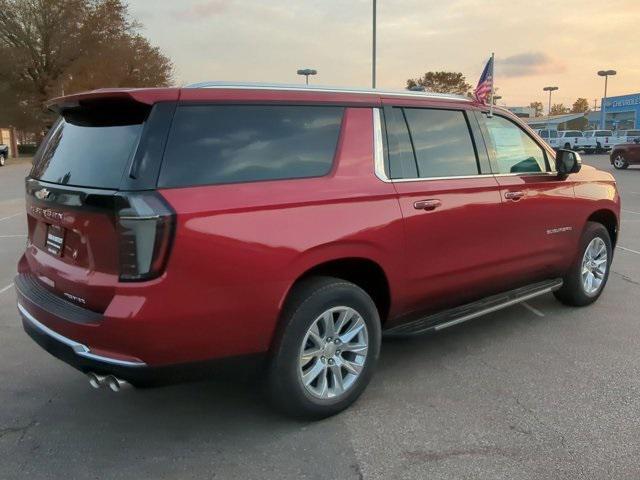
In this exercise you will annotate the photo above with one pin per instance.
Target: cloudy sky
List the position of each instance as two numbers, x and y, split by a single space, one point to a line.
537 42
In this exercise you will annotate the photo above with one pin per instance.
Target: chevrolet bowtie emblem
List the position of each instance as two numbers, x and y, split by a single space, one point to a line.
42 194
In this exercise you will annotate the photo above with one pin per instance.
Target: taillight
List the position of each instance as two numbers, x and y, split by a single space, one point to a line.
145 225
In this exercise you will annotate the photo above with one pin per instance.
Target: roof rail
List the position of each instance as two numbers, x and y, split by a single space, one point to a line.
317 88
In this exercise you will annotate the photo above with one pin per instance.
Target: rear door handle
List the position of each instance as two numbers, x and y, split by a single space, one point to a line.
514 195
427 204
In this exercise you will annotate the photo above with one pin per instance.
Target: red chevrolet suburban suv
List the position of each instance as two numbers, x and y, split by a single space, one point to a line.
173 228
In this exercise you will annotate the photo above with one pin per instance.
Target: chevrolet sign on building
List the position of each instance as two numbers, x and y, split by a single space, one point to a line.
621 113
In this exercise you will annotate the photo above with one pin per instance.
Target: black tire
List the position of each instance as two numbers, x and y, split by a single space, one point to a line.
619 163
573 292
567 146
3 159
308 300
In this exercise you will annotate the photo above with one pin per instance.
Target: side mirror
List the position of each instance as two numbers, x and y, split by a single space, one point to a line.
568 161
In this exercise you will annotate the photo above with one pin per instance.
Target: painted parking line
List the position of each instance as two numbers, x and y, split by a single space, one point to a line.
10 216
14 236
628 250
630 211
532 309
2 290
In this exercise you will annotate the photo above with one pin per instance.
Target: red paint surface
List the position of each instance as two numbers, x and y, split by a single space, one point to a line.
239 248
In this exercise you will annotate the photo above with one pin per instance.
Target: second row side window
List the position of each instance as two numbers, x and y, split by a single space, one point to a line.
430 143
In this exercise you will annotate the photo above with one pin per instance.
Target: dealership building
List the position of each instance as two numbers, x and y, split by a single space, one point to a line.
621 113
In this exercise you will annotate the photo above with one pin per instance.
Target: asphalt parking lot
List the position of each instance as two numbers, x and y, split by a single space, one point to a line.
537 391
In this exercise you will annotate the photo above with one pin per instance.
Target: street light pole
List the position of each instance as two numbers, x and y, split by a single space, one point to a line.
373 52
549 89
603 115
306 72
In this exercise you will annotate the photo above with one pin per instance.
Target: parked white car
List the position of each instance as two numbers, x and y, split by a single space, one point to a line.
604 140
4 154
548 135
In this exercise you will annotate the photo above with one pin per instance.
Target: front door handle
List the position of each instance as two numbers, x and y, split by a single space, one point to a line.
427 204
514 195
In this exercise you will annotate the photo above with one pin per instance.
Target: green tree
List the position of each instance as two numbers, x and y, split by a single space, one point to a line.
581 105
55 47
558 109
441 82
576 124
537 107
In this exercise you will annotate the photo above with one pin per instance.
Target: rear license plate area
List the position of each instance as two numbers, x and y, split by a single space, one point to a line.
55 240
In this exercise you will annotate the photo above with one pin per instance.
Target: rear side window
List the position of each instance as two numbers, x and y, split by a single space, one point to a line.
215 144
442 142
80 153
513 150
402 163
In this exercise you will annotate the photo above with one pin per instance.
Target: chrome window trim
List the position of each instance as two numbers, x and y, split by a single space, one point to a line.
380 171
378 147
432 179
78 348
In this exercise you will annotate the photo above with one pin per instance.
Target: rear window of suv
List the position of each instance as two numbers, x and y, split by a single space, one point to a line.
85 154
216 144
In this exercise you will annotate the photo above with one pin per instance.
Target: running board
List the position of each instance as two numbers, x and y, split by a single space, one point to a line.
454 316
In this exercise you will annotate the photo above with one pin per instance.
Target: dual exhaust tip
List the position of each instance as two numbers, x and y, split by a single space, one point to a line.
112 382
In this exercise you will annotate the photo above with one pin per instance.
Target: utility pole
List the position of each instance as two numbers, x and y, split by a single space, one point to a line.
373 53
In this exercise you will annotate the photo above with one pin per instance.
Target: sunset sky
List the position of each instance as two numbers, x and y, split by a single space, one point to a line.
537 43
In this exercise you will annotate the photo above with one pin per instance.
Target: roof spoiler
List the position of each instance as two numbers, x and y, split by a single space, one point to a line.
113 96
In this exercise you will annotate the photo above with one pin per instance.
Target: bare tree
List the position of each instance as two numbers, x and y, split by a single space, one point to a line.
558 109
537 107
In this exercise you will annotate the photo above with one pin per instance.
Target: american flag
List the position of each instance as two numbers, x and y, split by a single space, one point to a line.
485 84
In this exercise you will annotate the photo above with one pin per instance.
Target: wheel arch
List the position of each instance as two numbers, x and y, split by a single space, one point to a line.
362 271
609 219
614 152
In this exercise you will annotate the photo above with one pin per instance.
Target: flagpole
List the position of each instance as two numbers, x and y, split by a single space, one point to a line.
492 84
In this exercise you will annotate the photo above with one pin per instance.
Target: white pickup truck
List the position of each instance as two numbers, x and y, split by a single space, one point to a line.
548 135
604 139
575 140
626 136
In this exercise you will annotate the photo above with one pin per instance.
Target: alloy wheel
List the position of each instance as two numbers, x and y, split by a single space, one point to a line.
333 353
594 266
619 162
